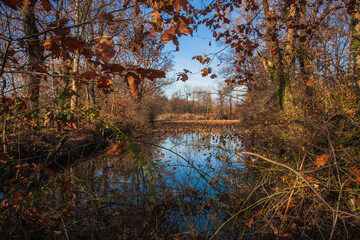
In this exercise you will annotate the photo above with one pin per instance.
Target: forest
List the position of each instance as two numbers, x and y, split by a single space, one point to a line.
93 148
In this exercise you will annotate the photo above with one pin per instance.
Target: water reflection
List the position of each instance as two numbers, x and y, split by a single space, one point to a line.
177 182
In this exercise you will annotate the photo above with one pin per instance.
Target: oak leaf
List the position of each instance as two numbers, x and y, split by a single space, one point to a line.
107 18
105 48
113 68
114 149
138 39
46 5
150 74
355 171
157 20
168 35
321 160
182 76
133 82
178 4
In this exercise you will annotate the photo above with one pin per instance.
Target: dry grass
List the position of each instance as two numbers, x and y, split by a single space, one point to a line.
207 122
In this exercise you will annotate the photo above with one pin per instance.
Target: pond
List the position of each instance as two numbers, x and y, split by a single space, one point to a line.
180 182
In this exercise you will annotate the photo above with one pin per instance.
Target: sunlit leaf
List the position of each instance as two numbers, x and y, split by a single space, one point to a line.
133 82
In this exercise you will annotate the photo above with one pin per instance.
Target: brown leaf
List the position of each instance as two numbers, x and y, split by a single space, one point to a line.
49 173
250 223
303 39
88 75
59 22
133 82
168 35
114 149
39 68
321 160
214 181
105 48
183 77
104 84
161 155
107 18
137 9
125 3
293 227
73 43
138 39
29 2
150 74
355 171
182 26
112 68
14 4
157 20
178 4
205 72
46 5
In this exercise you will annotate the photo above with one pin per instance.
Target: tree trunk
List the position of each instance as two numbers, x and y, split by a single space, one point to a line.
75 63
275 66
355 42
35 56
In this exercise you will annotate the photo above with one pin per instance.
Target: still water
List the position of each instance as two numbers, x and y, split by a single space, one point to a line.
181 180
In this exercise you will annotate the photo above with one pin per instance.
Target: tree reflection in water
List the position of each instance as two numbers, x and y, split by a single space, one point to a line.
174 186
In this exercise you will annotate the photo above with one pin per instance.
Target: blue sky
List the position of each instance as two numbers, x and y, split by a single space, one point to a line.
189 47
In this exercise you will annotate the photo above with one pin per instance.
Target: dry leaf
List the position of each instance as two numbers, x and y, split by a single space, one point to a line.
14 4
46 5
49 173
321 160
112 68
214 181
178 4
157 20
293 227
133 82
115 148
88 75
105 48
104 84
250 223
355 171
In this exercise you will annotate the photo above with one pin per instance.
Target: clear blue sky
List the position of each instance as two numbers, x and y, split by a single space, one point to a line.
189 47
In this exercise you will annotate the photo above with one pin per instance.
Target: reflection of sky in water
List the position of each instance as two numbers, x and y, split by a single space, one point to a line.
186 163
194 160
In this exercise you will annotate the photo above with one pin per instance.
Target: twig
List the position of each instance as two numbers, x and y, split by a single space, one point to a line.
56 150
306 182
